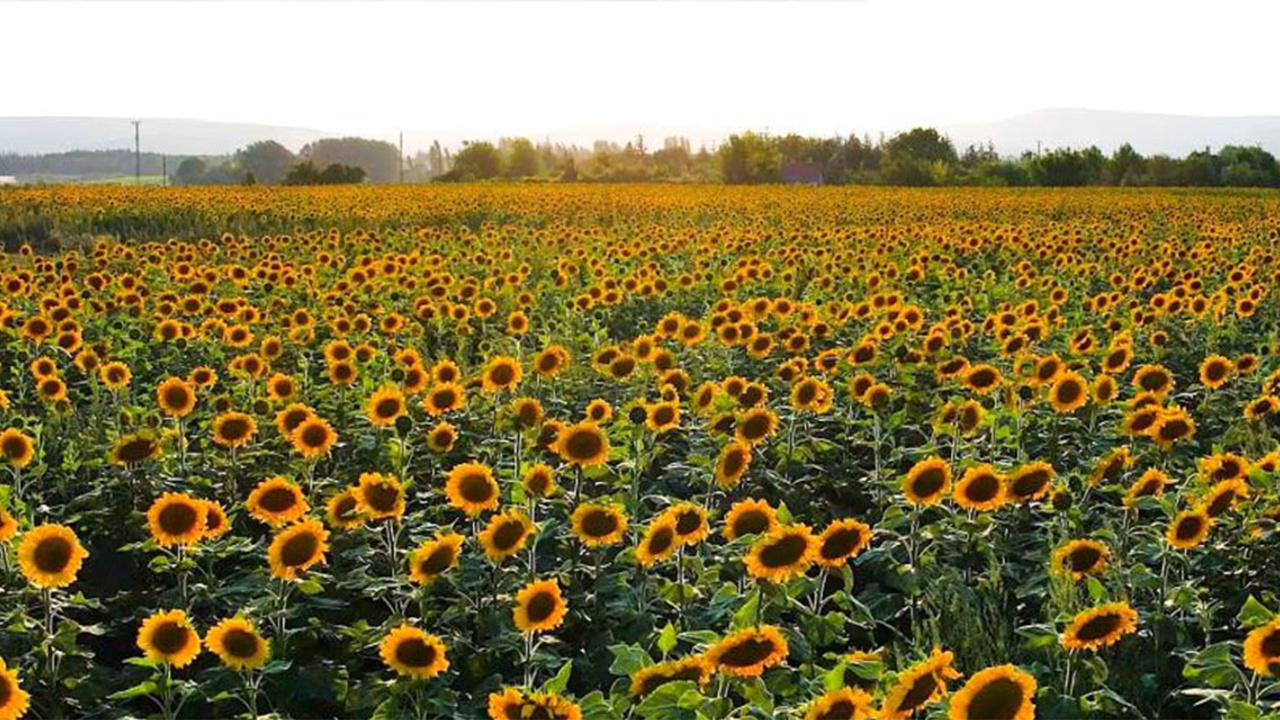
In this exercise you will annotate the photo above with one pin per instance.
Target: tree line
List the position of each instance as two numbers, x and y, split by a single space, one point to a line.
919 157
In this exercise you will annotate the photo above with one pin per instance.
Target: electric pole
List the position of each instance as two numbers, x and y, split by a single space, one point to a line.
401 157
137 153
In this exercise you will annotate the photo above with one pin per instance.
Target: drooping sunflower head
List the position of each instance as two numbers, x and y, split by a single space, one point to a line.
506 535
658 543
756 425
597 525
927 482
918 686
782 554
539 606
1100 626
471 488
996 693
277 501
296 548
177 519
749 517
414 653
379 496
50 556
135 448
732 464
513 704
169 637
1080 558
237 644
1030 482
749 652
842 704
1224 496
694 669
434 557
584 444
842 540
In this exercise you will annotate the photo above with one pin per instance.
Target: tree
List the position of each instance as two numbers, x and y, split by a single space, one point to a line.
379 160
475 161
921 156
267 160
522 158
749 158
190 172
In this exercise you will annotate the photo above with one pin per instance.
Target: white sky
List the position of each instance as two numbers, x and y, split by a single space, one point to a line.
494 68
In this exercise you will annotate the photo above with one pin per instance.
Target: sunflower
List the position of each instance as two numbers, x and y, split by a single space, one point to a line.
842 704
755 425
379 496
662 417
233 429
237 644
918 686
997 693
1224 496
1112 466
177 519
8 526
52 389
551 361
342 373
14 701
168 637
1189 528
471 488
1081 558
659 542
539 481
506 535
313 437
691 522
1047 370
598 525
216 523
749 517
584 444
842 540
981 378
1215 371
1105 389
539 606
782 554
1030 482
297 548
281 387
599 411
1261 407
501 373
1069 392
277 501
135 448
513 704
732 464
694 669
1154 379
811 394
980 488
1262 649
175 397
203 377
1172 425
434 557
748 652
50 556
385 406
444 398
414 653
342 511
1100 626
441 437
526 412
927 481
17 448
115 376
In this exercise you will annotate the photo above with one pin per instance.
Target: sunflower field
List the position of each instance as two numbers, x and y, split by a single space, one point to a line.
639 453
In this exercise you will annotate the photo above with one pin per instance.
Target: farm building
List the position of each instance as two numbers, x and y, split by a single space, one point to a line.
801 173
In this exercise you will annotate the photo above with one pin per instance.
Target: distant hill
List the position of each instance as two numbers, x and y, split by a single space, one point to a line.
1148 133
32 135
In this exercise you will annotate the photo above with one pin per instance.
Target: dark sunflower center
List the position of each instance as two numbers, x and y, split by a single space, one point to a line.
278 499
839 710
475 488
170 637
176 397
929 482
14 447
346 507
437 561
6 690
1069 392
750 522
664 415
734 462
583 445
982 488
53 554
538 483
1216 371
314 436
1173 429
661 540
999 699
540 607
136 450
840 543
921 690
178 518
415 652
1099 627
783 552
1188 528
755 427
382 496
299 549
1221 503
1271 645
1029 483
1084 558
806 393
746 653
388 407
502 375
234 428
507 534
687 522
982 378
599 523
240 643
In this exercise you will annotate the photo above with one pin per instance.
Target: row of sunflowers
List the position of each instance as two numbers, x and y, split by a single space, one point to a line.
639 452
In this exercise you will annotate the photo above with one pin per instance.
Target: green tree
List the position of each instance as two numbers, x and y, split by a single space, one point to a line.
921 156
267 160
522 158
379 160
475 161
749 158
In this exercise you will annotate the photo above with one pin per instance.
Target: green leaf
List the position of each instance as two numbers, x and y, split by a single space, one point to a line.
276 666
143 688
746 615
834 678
667 639
557 684
628 659
669 701
1254 613
1096 590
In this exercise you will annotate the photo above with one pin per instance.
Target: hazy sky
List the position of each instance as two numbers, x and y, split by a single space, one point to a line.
493 68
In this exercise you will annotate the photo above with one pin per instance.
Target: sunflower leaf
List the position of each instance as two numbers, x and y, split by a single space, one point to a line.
1254 613
557 684
667 639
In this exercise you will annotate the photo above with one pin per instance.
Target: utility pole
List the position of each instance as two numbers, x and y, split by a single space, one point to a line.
137 153
164 169
401 157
